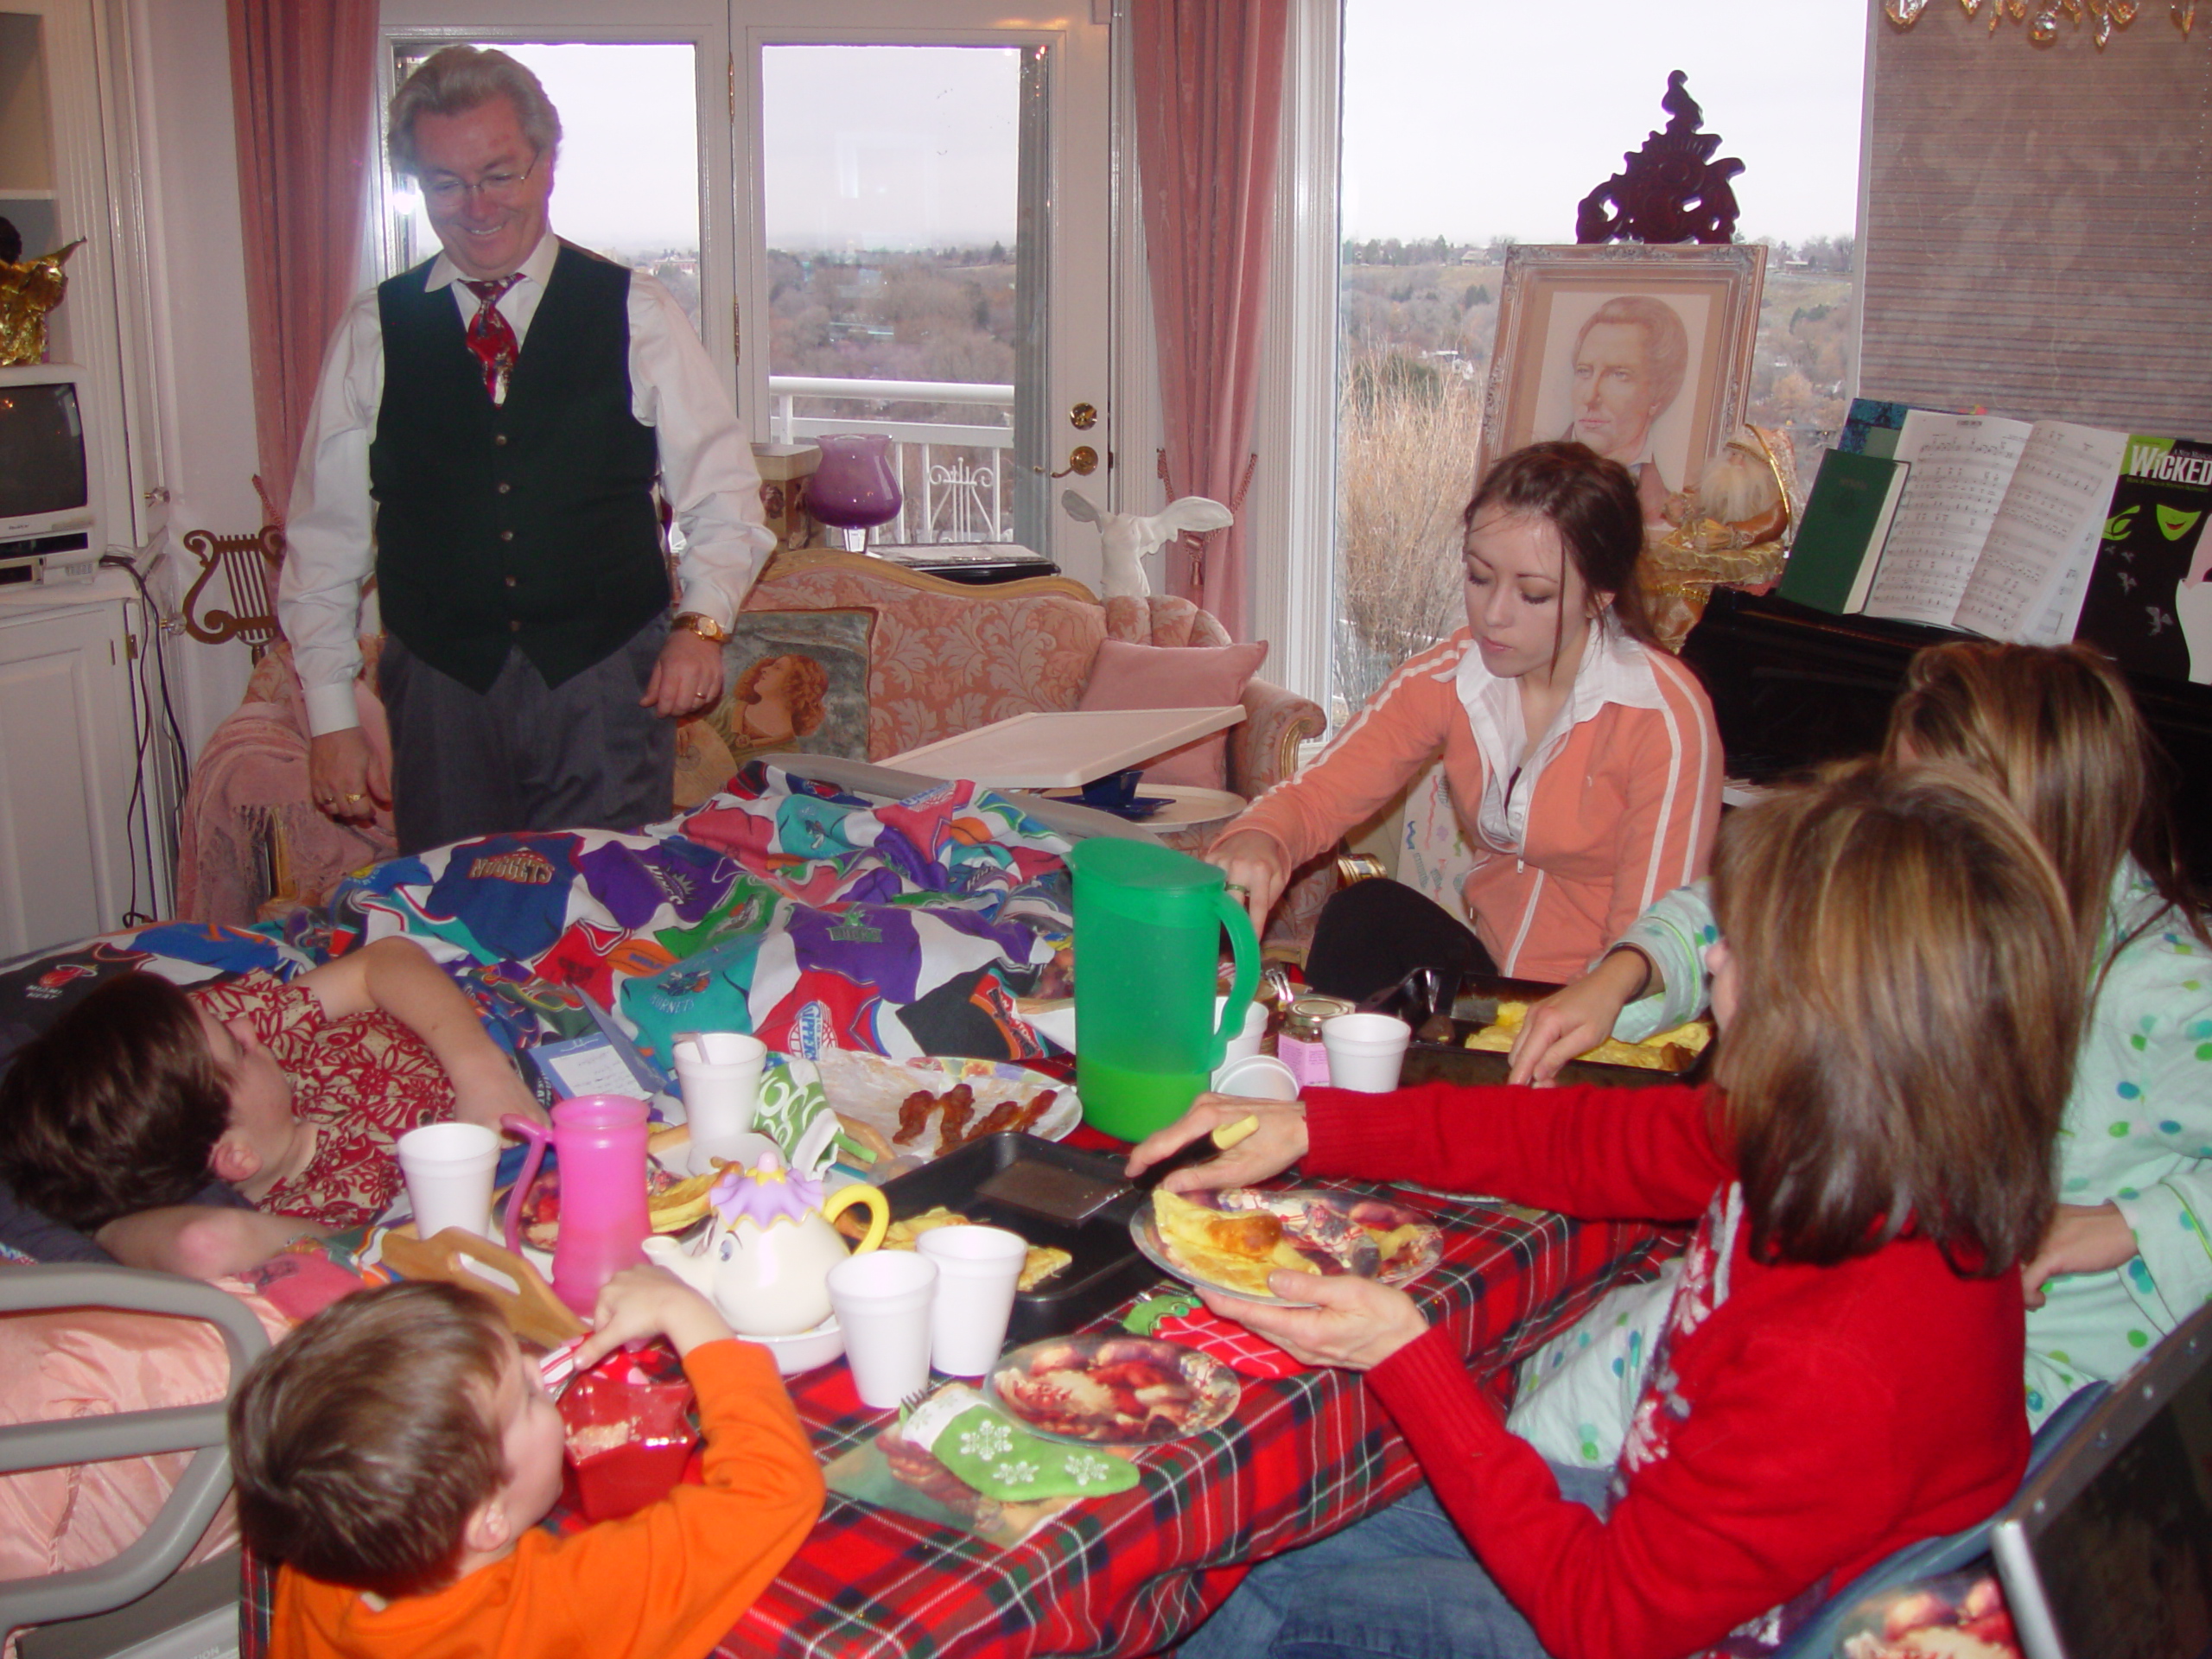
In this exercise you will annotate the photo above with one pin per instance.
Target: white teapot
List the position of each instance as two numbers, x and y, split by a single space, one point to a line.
765 1256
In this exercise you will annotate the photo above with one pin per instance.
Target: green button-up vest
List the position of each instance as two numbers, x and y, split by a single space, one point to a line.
532 525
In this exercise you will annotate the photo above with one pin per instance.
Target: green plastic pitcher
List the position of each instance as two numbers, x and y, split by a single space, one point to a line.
1148 936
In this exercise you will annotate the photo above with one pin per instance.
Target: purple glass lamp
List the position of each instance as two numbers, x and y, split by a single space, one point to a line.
855 487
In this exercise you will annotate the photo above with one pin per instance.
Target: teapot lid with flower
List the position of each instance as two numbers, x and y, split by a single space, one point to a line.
765 1254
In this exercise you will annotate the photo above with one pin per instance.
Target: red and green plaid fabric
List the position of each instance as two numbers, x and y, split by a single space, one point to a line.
1302 1456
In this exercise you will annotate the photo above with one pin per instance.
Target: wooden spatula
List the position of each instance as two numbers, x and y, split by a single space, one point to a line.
532 1311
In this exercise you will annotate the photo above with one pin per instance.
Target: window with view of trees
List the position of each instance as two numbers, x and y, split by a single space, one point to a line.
1470 125
895 257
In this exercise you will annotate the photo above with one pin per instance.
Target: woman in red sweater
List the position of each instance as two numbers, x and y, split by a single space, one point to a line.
1583 761
1839 1372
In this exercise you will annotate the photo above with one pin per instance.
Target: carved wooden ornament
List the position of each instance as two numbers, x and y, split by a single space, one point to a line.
1671 190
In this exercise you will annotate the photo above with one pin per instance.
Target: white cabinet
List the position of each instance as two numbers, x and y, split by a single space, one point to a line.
68 763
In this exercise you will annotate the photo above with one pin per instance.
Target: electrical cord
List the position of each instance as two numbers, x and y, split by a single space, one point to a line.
152 666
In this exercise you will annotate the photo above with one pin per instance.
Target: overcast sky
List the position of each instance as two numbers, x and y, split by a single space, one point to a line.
926 156
1475 119
1464 118
629 171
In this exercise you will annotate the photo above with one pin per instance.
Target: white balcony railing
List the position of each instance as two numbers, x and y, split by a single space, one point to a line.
953 494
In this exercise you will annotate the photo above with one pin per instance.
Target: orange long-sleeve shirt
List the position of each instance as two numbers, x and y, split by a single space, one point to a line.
666 1583
1573 842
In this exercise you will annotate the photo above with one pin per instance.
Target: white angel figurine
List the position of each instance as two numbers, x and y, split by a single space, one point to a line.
1127 537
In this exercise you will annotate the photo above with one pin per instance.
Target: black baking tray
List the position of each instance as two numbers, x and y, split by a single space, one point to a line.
1473 1006
1107 1268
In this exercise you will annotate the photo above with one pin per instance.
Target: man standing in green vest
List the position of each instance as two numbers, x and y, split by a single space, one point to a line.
493 434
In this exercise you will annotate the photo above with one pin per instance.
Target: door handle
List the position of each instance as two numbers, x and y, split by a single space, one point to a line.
1082 460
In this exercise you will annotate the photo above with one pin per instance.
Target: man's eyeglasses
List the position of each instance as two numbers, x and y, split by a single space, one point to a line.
447 191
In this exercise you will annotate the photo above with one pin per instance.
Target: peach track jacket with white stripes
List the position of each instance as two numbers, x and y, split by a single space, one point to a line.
1617 805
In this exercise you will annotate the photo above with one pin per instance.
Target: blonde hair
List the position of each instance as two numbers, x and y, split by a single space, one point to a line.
1907 1014
2056 728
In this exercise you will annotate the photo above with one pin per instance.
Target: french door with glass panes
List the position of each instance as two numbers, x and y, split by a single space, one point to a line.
889 216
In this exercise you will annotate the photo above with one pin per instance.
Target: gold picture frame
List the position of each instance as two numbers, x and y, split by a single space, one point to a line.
1542 374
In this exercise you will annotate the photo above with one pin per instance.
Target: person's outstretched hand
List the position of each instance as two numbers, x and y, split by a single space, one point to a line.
1279 1142
1575 1020
648 1301
1256 870
1356 1323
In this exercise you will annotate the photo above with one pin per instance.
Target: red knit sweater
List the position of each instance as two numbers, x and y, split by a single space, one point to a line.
1816 1421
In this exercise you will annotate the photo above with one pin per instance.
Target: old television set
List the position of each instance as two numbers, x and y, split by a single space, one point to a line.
48 525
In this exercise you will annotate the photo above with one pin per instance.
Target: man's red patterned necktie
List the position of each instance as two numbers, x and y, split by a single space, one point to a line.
492 337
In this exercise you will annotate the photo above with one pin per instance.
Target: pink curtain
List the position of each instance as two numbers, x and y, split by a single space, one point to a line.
1209 77
302 97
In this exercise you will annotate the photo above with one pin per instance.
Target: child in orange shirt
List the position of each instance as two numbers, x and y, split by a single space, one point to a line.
396 1452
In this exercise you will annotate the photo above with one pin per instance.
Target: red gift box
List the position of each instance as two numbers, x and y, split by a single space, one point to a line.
629 1432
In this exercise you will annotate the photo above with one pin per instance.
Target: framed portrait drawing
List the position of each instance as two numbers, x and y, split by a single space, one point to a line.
1644 353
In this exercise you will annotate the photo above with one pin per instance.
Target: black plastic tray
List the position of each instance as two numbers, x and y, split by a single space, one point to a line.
1107 1268
1474 1008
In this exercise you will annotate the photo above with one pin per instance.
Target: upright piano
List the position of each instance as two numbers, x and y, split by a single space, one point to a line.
1793 687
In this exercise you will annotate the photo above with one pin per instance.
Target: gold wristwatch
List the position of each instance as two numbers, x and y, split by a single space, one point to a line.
702 625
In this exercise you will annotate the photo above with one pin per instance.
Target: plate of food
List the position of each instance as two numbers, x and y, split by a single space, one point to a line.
1232 1239
927 1107
1103 1388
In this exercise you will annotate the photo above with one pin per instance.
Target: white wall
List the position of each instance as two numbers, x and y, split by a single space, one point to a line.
178 75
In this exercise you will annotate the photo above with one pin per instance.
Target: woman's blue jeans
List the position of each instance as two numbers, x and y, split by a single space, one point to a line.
1400 1585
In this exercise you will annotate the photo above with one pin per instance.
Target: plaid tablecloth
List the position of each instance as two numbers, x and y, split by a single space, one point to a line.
1301 1457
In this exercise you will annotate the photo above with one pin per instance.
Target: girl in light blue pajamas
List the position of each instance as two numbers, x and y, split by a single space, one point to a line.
2130 1254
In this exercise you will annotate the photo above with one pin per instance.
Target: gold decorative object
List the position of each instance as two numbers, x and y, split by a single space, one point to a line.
1683 562
28 290
2042 17
2184 13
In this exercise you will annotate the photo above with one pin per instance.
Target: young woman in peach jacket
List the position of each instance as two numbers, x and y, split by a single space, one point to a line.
1583 761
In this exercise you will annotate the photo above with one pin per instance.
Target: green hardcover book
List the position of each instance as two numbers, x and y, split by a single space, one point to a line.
1847 516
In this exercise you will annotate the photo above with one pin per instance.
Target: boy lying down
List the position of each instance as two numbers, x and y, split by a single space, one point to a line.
396 1452
117 1120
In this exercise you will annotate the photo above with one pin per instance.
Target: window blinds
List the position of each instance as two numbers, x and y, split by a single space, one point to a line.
2035 234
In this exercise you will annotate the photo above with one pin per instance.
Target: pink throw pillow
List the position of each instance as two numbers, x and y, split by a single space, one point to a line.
1124 676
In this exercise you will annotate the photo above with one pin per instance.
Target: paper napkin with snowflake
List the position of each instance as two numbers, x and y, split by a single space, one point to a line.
1001 1460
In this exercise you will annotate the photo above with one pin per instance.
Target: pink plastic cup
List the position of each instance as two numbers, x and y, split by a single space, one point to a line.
600 1140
